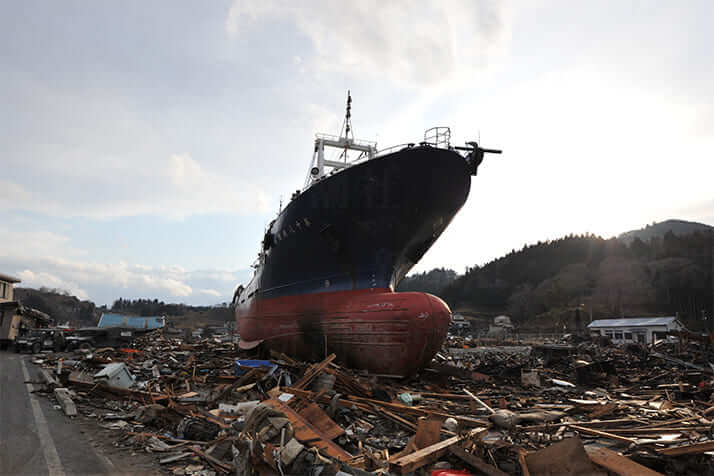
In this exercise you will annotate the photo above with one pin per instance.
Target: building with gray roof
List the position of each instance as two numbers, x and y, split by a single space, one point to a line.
642 330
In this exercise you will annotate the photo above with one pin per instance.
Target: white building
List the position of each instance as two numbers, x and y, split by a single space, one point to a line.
643 330
501 326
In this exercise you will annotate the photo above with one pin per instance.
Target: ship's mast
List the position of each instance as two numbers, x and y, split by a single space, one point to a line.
346 142
346 131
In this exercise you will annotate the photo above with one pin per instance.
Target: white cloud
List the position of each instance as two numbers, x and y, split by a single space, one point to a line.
210 292
22 243
590 152
175 187
11 191
48 259
105 282
416 44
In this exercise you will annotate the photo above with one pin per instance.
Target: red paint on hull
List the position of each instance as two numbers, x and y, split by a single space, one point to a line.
377 330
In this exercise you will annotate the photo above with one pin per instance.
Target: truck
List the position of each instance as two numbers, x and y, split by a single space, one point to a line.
37 340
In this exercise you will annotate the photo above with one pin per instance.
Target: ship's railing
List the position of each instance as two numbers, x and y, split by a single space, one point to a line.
439 136
394 148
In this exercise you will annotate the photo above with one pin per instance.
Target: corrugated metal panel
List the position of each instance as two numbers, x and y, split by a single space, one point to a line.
633 322
136 322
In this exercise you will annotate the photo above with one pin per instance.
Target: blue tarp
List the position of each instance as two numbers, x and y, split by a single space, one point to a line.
240 363
135 322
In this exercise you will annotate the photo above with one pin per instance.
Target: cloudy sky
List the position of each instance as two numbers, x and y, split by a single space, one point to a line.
145 145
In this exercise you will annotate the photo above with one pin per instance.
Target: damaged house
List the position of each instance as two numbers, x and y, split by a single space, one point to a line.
14 317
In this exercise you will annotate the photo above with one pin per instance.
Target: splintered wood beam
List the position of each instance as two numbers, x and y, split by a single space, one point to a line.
424 456
313 372
618 464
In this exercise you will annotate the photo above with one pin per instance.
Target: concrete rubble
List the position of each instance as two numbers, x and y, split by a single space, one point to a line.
582 408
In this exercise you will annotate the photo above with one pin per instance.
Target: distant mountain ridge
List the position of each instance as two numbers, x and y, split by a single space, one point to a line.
63 307
678 227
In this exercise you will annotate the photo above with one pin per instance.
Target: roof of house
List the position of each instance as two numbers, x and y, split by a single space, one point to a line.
109 319
633 322
9 279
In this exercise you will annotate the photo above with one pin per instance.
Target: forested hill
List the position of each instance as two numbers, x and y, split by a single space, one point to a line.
432 282
59 305
678 227
663 275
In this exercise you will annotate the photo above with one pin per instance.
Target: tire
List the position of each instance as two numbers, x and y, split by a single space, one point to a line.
36 348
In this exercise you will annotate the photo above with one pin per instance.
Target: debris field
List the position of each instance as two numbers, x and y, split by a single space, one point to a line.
205 409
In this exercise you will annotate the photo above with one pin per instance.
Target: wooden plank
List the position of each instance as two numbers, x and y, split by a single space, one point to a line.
314 414
396 418
618 464
688 450
411 462
602 434
656 431
307 433
313 372
428 431
478 400
664 424
522 461
476 462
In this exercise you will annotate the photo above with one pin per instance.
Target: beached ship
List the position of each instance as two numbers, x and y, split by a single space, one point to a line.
329 263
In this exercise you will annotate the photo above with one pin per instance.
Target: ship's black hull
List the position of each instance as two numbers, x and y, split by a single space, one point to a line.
364 227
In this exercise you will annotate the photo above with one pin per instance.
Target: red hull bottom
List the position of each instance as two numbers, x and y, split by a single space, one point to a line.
377 330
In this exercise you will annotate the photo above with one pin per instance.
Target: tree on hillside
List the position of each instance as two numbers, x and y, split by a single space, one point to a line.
432 282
